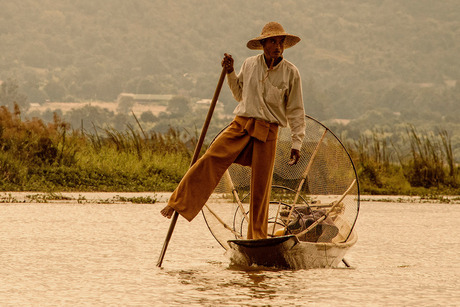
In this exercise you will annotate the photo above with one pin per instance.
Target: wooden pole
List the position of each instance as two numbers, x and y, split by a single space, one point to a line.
304 178
276 218
198 146
222 222
235 194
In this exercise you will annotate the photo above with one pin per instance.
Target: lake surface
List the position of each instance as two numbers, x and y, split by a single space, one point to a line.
407 254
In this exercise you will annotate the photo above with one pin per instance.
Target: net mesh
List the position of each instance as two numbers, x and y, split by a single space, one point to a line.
322 184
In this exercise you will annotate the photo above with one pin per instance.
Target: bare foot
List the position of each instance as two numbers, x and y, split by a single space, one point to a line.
167 211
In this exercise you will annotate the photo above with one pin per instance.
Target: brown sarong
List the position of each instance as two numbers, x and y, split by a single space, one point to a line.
246 141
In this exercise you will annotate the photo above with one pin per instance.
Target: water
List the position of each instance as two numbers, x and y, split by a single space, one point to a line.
106 254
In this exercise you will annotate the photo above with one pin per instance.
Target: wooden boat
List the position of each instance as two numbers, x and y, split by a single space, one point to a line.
313 209
287 252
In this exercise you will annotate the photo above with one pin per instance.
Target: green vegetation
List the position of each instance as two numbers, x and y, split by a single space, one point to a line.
423 167
52 158
49 157
49 197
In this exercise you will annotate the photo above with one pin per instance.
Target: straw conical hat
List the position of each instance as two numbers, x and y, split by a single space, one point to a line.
273 29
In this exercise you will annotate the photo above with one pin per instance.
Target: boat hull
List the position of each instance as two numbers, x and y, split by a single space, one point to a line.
288 252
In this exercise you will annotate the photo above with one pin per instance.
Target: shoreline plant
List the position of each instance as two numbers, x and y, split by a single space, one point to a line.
35 156
424 167
50 157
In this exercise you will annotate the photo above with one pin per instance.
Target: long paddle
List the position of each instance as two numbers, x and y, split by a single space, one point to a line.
204 130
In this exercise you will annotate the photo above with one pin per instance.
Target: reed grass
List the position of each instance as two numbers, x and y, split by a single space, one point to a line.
424 166
35 156
50 157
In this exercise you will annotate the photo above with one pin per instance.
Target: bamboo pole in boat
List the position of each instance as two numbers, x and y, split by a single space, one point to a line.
235 194
198 146
276 218
327 214
304 178
223 223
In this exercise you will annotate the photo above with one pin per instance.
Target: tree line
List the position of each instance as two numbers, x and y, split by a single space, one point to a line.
379 64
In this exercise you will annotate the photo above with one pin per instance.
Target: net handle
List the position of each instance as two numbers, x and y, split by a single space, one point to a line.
223 223
235 194
304 177
276 218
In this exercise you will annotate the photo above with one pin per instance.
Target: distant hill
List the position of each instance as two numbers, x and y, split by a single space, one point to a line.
355 56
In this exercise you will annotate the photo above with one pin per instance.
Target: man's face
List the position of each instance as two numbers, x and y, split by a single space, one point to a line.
273 47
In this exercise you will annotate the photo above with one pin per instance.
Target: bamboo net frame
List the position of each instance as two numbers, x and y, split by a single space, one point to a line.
324 178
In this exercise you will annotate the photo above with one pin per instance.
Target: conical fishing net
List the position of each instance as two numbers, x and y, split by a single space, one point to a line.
317 199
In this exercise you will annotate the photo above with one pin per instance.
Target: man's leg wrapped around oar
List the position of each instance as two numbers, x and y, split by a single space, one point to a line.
234 144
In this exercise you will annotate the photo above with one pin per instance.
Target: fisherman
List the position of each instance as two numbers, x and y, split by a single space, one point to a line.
268 89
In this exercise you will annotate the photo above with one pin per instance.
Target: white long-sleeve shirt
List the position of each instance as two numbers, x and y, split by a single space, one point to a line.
272 95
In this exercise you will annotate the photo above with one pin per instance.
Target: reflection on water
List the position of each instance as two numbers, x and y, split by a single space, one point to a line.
96 254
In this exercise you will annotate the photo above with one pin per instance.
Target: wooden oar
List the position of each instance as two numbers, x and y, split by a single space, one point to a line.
196 154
